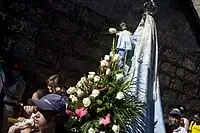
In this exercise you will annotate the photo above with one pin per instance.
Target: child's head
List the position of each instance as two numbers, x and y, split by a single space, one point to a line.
40 93
49 108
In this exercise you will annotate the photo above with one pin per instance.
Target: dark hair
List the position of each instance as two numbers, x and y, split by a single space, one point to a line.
42 92
53 80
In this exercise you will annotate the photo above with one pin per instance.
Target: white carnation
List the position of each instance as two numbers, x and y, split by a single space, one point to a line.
91 130
95 93
116 128
120 95
80 93
112 30
107 57
86 102
96 78
119 76
71 90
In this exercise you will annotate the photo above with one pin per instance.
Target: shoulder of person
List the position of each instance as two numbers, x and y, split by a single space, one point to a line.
183 130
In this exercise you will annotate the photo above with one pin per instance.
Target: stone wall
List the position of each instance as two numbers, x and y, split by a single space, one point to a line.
65 37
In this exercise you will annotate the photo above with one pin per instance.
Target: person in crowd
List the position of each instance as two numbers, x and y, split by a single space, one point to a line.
28 110
49 108
195 124
174 121
184 121
14 90
53 83
40 93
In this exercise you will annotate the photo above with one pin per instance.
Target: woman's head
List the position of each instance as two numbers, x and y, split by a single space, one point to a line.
49 108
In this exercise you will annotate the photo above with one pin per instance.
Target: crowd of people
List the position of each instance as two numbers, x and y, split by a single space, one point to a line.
46 106
177 123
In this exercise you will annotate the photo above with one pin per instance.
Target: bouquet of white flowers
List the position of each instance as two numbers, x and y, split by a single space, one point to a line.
100 102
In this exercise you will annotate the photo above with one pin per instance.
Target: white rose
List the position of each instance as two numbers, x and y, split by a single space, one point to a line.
111 54
120 95
112 30
108 71
73 98
91 75
71 90
79 84
119 76
116 57
96 78
80 93
95 93
102 132
83 79
107 57
86 102
91 130
104 63
116 128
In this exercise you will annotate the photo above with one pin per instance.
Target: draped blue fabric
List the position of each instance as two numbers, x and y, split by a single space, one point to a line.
142 72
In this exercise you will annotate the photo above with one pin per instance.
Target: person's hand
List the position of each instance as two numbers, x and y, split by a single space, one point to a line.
29 110
15 129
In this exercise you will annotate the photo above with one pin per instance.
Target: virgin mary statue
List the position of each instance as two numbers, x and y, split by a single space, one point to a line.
139 56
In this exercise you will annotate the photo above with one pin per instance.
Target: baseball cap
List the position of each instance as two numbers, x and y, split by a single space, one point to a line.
50 102
175 111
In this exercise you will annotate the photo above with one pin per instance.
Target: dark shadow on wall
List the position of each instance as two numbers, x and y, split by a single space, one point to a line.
186 6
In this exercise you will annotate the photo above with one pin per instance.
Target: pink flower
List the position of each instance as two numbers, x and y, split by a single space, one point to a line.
81 112
105 120
70 113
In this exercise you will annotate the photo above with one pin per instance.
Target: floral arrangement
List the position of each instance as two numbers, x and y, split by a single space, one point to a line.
101 102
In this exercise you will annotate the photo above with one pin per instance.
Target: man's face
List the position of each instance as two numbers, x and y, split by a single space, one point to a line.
173 120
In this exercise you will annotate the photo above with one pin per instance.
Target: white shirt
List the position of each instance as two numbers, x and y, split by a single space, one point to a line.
180 130
186 123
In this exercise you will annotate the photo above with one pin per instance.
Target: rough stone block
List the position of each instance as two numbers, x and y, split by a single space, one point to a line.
169 95
189 77
164 80
168 68
48 53
173 56
176 84
180 72
194 104
187 63
190 90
